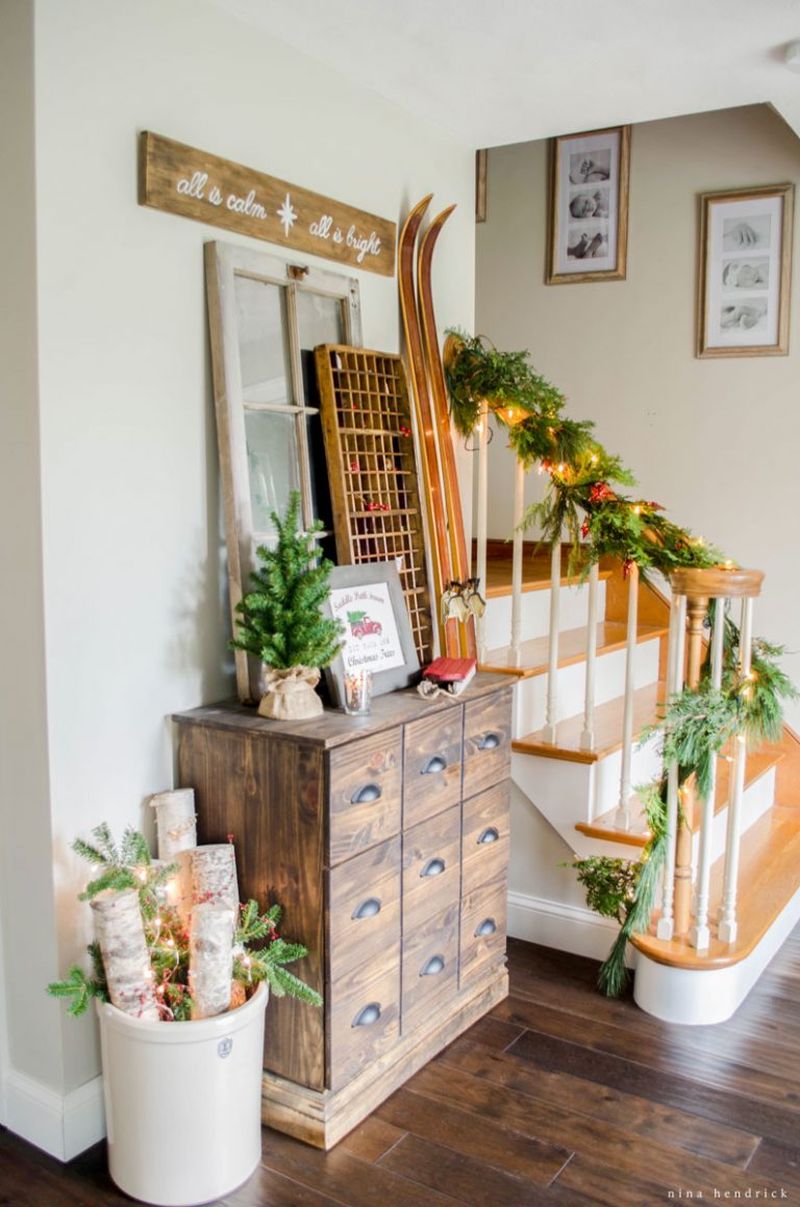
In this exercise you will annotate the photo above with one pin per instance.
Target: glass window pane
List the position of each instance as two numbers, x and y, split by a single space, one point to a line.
272 463
263 344
320 319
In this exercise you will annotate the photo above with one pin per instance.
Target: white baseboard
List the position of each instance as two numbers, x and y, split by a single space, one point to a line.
61 1124
570 928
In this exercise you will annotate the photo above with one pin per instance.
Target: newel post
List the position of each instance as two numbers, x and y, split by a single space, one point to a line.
697 587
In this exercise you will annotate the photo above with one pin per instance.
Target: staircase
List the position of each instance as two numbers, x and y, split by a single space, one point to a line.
573 778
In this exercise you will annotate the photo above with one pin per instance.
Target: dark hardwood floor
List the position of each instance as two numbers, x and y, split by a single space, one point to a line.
559 1096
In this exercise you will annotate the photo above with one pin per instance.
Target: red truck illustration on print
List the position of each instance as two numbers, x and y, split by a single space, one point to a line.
361 625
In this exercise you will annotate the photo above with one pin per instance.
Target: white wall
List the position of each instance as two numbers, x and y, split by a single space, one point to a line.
136 621
714 440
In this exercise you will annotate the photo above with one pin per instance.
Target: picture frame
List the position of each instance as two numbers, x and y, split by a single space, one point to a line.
744 271
368 599
588 212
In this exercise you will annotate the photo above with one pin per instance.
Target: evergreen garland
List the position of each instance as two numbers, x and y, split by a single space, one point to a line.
478 373
282 624
626 890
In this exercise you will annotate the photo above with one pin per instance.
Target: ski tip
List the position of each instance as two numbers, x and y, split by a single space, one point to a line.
441 218
434 228
416 214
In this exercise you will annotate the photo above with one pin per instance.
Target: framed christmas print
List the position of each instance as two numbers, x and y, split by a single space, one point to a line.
376 632
744 279
589 175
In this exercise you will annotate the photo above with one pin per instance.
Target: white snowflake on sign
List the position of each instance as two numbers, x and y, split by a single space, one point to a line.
287 215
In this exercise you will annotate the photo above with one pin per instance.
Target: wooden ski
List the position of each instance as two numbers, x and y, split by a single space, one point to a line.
459 557
439 542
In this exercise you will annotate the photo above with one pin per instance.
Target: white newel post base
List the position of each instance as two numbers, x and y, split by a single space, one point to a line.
183 1103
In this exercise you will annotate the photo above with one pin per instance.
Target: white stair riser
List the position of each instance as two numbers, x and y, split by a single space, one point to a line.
645 767
758 797
530 696
573 613
565 792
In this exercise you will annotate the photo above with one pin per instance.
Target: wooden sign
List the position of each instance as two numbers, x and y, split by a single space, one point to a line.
195 184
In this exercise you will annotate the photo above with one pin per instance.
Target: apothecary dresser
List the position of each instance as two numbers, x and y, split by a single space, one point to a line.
386 838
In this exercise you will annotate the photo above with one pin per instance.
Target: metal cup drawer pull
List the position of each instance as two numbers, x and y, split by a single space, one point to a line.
490 834
434 867
369 1015
367 909
366 794
487 927
434 765
489 741
433 966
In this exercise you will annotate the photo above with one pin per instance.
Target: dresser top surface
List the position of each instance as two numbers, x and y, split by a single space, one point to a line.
335 728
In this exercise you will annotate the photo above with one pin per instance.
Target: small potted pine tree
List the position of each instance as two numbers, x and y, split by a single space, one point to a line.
281 622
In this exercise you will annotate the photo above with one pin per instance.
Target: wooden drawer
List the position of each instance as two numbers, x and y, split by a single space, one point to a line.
482 940
432 765
365 782
363 907
430 967
487 742
486 824
431 867
364 1018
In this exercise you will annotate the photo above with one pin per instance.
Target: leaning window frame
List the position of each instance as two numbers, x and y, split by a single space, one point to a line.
224 261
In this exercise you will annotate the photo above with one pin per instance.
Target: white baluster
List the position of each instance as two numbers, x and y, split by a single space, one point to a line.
551 716
700 935
677 646
728 925
516 569
587 737
625 790
482 521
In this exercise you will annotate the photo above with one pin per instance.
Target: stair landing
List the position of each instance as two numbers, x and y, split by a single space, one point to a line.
769 877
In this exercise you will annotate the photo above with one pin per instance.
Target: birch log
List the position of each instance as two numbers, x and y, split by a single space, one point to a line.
126 960
176 822
214 876
211 959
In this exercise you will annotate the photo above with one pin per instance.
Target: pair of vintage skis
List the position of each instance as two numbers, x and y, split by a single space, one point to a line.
448 549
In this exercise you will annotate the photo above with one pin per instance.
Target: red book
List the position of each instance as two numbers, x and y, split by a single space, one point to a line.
452 674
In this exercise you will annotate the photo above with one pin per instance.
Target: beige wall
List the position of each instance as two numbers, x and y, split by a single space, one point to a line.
27 939
716 441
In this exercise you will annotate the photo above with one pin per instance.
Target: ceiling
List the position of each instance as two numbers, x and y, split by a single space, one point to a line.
501 71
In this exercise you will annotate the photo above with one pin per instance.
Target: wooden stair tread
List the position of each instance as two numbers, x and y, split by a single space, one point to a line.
605 827
769 876
535 576
611 635
647 710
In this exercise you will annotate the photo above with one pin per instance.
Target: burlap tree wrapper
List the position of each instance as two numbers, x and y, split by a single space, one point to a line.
289 694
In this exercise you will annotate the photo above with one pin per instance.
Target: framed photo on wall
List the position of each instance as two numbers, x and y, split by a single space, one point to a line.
589 176
368 599
744 278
